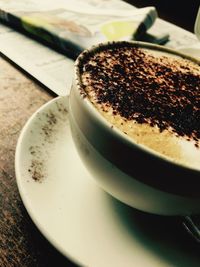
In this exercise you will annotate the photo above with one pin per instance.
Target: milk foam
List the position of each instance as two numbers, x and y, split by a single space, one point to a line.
165 143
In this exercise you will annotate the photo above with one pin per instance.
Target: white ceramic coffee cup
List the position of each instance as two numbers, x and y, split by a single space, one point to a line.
197 25
126 170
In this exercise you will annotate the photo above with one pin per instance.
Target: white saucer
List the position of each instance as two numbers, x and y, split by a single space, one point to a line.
76 216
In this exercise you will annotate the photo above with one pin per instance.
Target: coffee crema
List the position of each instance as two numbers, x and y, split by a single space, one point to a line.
151 96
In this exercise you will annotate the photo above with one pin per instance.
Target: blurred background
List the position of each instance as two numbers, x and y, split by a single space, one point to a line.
181 13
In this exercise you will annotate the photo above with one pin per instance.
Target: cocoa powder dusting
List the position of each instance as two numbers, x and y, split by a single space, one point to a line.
160 90
48 133
37 170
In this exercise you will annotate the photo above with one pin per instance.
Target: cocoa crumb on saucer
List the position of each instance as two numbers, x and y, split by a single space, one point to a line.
47 129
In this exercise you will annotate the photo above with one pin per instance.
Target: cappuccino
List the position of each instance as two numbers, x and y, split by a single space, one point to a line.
152 96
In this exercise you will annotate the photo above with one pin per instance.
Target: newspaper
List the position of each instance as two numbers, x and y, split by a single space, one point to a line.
72 26
180 39
49 67
55 70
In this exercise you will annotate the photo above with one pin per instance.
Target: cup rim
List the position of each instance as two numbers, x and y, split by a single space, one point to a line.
115 131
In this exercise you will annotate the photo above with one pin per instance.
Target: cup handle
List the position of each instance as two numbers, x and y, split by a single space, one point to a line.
192 226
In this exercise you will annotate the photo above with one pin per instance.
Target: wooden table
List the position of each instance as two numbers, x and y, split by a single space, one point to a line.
21 244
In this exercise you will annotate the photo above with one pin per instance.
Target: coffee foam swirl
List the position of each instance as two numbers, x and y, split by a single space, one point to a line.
151 96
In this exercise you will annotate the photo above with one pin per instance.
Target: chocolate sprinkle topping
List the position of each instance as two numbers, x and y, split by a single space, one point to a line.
157 89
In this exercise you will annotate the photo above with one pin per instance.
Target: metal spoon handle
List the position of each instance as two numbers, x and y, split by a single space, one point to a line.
192 226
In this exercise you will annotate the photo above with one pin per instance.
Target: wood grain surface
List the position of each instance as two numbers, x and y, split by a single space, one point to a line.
21 244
